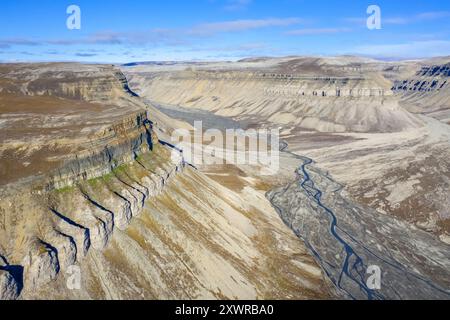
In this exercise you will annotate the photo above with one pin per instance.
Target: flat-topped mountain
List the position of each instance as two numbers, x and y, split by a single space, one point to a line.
91 180
343 94
87 183
372 132
51 113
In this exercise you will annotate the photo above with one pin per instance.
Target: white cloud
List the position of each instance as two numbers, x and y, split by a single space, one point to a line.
396 20
243 47
7 43
414 49
241 25
433 15
157 37
403 20
314 31
236 5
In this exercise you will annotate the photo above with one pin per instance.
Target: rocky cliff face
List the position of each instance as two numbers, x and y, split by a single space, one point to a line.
326 98
73 81
121 143
63 225
86 185
49 220
430 78
10 280
426 91
85 112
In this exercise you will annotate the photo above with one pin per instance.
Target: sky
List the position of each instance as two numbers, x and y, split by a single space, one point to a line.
174 30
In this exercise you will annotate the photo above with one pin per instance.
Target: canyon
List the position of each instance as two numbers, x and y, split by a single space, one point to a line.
87 180
90 177
380 159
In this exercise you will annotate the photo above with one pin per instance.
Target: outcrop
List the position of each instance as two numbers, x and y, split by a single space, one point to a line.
369 125
325 95
426 91
52 218
89 189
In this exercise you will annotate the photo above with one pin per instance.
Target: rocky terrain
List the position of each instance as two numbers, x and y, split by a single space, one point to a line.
344 112
291 92
368 126
90 178
87 182
413 264
51 112
424 89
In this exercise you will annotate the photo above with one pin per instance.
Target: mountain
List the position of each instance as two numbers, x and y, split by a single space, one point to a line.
89 187
344 94
99 201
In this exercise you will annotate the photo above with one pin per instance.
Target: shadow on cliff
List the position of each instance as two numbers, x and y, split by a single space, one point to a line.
16 272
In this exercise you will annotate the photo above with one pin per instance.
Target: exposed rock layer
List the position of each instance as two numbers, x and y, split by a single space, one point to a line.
427 91
324 97
101 196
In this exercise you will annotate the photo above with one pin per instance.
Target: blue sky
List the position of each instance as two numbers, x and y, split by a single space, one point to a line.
137 30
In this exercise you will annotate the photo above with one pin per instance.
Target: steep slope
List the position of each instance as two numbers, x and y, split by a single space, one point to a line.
50 113
389 208
87 184
426 90
327 95
195 240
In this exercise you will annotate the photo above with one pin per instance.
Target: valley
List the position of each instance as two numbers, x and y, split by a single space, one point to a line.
138 222
393 155
92 178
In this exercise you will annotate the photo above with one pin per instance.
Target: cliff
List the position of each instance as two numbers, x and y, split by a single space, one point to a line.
322 97
426 91
76 153
46 233
88 192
